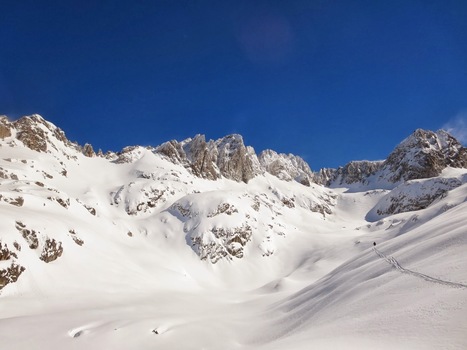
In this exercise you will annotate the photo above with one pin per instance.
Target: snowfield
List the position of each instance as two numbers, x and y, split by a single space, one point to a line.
142 254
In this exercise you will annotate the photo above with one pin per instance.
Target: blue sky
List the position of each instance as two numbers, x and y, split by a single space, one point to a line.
331 81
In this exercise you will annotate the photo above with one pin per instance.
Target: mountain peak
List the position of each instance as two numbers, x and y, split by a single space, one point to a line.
424 154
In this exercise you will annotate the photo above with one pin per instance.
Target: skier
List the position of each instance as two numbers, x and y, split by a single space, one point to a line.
374 244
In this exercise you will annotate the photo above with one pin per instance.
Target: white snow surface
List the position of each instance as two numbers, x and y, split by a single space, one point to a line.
305 279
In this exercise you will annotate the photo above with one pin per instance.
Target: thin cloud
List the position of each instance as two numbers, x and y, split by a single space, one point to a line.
457 127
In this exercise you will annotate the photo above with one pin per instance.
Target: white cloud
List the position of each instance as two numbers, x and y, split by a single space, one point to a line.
457 127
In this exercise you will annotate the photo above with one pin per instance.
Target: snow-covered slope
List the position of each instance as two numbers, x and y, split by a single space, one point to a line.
202 244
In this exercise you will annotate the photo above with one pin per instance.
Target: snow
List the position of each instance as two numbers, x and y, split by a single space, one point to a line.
306 279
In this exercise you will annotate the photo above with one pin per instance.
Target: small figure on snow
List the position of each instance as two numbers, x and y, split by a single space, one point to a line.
374 244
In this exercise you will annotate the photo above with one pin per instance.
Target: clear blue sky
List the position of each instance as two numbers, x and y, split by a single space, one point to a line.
331 81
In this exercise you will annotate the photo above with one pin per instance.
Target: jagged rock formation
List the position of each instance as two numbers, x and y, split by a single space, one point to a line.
324 176
202 156
423 154
5 127
227 157
286 167
235 161
355 172
39 135
88 151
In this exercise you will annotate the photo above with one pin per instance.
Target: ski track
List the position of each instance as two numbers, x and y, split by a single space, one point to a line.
391 260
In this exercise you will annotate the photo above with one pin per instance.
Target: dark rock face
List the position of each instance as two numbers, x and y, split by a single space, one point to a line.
11 273
88 151
5 127
52 250
424 154
40 135
30 134
6 253
29 235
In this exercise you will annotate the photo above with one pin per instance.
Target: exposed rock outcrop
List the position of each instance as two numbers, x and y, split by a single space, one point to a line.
424 154
413 195
29 133
324 176
51 251
202 157
30 236
235 161
42 136
355 172
222 242
88 151
227 157
6 253
10 274
286 167
5 127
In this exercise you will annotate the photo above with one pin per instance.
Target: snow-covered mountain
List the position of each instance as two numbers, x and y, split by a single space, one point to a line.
424 154
205 244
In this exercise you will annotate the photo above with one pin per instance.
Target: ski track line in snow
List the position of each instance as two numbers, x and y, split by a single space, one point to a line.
391 260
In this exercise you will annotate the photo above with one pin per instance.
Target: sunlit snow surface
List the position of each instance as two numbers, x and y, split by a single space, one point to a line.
305 280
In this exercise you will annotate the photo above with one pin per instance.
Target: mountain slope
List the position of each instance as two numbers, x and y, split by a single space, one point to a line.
203 244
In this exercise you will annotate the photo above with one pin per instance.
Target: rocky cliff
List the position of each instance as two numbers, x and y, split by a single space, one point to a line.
227 157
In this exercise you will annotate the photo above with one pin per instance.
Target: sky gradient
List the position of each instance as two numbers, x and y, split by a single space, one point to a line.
330 81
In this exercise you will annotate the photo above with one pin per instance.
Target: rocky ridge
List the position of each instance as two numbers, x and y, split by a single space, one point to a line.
423 154
227 157
217 225
286 167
